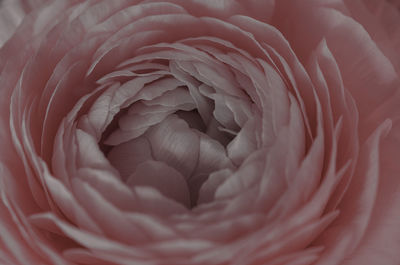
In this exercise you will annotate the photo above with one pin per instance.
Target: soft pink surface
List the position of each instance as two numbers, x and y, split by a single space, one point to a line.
200 132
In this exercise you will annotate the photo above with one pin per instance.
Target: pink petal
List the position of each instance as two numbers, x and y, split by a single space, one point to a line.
11 15
174 143
244 143
210 186
127 156
111 219
358 203
163 178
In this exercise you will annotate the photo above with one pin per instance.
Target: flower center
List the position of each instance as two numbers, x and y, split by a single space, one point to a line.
175 156
173 129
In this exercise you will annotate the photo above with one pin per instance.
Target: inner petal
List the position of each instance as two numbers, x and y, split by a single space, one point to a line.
163 178
187 128
126 156
173 142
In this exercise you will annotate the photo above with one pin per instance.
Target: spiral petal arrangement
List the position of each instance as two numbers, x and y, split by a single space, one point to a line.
198 132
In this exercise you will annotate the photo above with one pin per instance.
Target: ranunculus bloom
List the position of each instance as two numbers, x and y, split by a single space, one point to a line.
200 132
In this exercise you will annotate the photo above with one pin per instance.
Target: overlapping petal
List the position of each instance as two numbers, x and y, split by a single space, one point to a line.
189 132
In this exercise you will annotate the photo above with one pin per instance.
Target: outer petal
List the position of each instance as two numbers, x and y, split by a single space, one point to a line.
11 15
369 75
12 12
382 234
357 205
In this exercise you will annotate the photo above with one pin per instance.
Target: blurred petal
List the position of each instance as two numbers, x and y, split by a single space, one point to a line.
11 15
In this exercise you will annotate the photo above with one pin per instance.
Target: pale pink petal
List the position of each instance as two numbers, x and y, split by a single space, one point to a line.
338 107
244 143
170 141
156 228
202 103
209 187
162 177
152 201
380 18
368 68
10 241
85 238
212 157
11 15
358 203
381 234
127 156
244 178
195 132
111 219
69 206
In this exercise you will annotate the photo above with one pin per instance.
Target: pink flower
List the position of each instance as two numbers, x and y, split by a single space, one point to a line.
188 132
